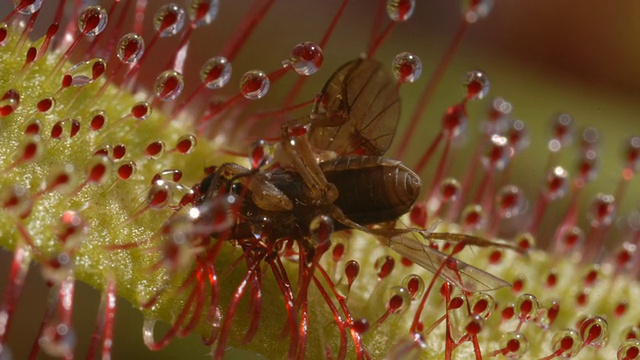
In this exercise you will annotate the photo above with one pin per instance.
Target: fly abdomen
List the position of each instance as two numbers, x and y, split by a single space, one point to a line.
372 189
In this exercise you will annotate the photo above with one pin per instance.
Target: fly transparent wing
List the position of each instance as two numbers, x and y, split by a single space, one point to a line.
357 111
466 277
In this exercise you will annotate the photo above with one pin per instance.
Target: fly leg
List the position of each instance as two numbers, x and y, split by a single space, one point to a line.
303 160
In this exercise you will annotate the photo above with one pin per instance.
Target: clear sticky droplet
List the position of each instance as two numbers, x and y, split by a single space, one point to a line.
517 135
562 131
475 10
557 183
566 343
203 12
154 150
254 84
97 170
9 102
93 20
141 111
321 229
602 210
168 20
186 144
514 344
216 72
127 170
97 120
397 299
474 217
27 7
497 154
632 154
482 304
406 67
450 189
587 167
477 84
306 58
455 120
415 285
4 34
130 48
260 154
86 72
384 266
58 340
594 331
169 85
509 201
526 307
629 350
400 10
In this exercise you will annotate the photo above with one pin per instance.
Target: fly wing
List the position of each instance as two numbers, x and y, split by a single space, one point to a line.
357 111
466 277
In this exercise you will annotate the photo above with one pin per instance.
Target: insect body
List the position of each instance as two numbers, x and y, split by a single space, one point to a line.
355 118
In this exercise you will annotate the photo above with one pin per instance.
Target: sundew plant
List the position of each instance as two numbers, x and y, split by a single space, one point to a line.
122 228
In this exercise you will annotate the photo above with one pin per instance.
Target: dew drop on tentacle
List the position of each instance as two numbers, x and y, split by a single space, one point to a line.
566 343
526 307
58 339
154 150
509 201
203 12
351 271
525 241
517 135
450 190
168 85
587 167
216 72
477 84
415 285
513 345
305 58
496 155
594 331
215 215
97 120
474 217
632 154
9 102
127 169
130 48
406 67
321 229
475 10
254 84
168 20
602 210
474 324
361 326
260 154
93 20
629 350
33 127
186 144
454 121
27 7
140 111
16 200
397 299
46 104
384 266
86 72
62 178
482 304
562 131
495 123
400 10
557 183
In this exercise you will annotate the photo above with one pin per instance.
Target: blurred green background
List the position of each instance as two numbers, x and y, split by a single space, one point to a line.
543 56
